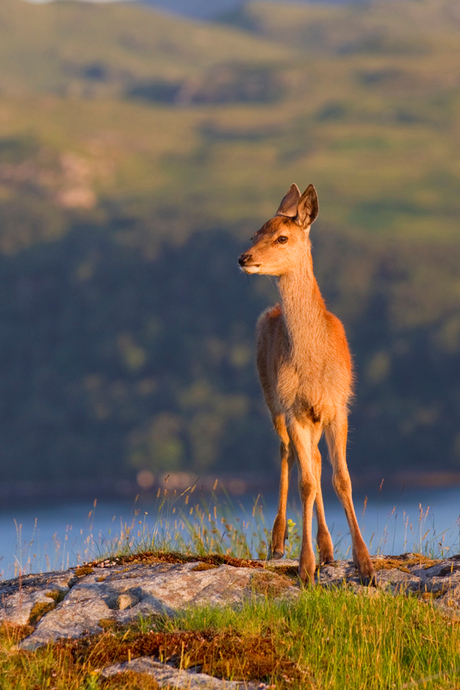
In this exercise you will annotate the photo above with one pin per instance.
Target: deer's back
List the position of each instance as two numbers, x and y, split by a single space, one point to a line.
315 383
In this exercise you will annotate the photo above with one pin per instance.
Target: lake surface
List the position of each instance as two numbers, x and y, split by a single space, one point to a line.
208 9
56 536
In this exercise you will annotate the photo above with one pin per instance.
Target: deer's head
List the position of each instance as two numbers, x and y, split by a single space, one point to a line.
277 246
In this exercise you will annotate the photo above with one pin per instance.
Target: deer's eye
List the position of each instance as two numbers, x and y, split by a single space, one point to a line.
282 239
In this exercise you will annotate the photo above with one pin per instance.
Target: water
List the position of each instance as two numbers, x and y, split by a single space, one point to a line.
208 9
58 536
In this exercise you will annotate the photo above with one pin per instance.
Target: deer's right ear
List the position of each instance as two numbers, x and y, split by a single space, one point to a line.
307 209
288 206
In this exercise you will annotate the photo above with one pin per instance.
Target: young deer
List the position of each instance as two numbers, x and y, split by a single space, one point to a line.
306 375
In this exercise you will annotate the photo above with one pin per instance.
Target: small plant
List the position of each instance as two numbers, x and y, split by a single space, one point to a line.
293 547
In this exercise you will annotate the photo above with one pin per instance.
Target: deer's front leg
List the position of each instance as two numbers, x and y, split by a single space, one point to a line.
279 532
302 438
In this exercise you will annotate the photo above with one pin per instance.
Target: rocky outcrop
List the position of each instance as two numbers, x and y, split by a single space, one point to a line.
122 594
84 600
167 676
25 599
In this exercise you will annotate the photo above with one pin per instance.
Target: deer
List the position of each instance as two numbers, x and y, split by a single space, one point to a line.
306 374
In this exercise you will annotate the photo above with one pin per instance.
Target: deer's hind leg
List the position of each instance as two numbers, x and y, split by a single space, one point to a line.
336 436
323 538
279 532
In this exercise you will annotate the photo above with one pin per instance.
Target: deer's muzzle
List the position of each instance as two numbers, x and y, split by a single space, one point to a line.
244 259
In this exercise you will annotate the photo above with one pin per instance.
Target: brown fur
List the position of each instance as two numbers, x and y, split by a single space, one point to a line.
306 375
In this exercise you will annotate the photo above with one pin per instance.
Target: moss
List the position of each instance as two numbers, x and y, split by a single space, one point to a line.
404 562
228 654
204 566
57 595
270 584
39 609
291 571
174 557
84 570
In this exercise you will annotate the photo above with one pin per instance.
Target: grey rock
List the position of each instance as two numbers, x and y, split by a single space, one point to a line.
396 581
449 567
450 602
278 563
18 597
123 594
439 585
126 601
335 574
168 677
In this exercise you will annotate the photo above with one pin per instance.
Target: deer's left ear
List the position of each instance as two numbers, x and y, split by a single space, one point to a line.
288 205
307 208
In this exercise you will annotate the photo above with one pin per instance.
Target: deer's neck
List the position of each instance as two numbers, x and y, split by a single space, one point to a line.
303 310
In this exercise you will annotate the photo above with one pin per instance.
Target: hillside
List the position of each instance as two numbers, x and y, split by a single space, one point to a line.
381 27
376 123
73 48
138 153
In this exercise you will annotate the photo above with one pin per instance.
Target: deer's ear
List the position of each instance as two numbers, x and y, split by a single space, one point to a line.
288 206
307 208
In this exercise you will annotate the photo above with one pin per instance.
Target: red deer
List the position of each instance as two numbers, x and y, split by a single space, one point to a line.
306 375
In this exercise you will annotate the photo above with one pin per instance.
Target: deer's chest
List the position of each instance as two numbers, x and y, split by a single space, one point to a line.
301 396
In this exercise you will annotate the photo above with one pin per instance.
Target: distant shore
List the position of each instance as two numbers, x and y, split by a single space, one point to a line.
233 485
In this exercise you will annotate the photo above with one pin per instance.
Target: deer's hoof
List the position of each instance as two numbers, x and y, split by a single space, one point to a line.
326 557
369 580
276 555
307 578
367 575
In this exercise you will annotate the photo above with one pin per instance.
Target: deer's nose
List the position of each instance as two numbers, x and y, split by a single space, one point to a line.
244 258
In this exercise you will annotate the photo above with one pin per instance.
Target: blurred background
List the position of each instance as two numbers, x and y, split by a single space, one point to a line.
141 145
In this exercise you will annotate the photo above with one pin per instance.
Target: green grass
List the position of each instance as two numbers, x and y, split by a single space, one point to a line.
340 639
193 522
